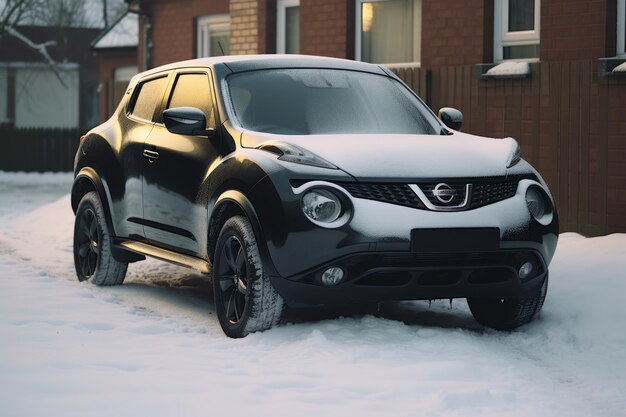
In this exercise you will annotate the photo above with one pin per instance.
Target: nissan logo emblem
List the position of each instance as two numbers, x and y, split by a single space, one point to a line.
444 193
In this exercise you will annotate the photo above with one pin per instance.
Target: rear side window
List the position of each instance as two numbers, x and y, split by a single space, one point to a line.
148 98
193 90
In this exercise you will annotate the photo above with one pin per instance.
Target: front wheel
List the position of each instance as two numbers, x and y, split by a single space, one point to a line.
92 245
508 313
245 300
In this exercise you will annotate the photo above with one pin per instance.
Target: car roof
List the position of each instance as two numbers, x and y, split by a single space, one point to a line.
240 63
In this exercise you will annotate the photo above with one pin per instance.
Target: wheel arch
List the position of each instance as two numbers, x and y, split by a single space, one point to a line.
233 203
88 180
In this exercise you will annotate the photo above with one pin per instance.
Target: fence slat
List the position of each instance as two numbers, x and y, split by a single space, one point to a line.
37 149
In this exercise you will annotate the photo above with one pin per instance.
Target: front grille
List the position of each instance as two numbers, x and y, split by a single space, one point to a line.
489 193
483 192
399 194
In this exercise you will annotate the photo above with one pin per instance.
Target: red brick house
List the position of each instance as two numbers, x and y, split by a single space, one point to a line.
116 50
566 107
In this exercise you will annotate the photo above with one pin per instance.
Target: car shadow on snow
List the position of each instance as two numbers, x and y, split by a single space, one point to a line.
412 313
196 290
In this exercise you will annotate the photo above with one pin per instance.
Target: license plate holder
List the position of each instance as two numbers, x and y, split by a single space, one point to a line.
474 239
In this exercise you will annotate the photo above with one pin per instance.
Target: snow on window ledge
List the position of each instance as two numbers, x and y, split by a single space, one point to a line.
509 69
620 68
614 66
503 70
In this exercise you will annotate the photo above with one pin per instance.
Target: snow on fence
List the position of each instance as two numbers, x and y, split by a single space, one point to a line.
37 149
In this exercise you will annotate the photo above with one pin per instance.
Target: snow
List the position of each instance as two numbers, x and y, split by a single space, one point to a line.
509 68
620 68
153 347
123 34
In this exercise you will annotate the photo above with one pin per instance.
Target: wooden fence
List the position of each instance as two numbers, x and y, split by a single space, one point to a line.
569 120
38 149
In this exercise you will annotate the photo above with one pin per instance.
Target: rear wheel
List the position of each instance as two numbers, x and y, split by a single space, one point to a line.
508 313
245 300
93 259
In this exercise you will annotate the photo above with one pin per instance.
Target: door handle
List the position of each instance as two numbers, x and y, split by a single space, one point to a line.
151 155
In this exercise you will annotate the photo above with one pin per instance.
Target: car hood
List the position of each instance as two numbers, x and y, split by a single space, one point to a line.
377 156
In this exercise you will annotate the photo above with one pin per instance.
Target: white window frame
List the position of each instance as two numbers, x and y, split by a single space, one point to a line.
503 38
621 23
417 36
205 25
281 20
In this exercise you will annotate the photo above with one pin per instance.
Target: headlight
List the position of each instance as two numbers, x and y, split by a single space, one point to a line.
539 205
321 205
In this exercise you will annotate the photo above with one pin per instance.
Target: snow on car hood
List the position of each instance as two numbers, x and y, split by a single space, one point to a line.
376 156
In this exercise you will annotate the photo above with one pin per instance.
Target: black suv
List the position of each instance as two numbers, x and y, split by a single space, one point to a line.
310 181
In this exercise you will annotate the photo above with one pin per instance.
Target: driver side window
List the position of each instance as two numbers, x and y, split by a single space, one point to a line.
193 90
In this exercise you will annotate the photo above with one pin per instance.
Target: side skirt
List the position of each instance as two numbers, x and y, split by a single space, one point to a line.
165 255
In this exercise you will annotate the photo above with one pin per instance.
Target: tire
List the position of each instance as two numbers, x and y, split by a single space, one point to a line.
245 300
508 313
93 259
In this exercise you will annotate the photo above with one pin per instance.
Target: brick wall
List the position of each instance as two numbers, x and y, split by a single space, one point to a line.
266 13
573 29
173 28
327 28
244 28
452 32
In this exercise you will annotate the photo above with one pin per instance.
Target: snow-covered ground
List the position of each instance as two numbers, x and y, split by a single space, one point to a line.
153 347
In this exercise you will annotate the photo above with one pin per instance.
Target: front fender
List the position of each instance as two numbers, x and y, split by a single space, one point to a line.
231 203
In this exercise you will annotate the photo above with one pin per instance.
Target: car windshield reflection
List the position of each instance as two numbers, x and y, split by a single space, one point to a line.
325 101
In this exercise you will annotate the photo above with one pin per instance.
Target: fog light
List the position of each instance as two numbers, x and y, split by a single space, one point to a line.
332 276
525 270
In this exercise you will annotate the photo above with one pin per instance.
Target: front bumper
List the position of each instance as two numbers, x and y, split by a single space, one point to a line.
387 276
380 261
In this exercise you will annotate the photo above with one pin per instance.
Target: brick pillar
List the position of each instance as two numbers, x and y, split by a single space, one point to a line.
244 27
327 28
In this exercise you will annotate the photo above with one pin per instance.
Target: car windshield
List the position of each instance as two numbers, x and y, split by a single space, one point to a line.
326 101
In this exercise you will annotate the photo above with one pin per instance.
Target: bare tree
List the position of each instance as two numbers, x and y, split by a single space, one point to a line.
58 13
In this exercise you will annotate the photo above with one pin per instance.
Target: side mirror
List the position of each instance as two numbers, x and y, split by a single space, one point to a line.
186 121
450 117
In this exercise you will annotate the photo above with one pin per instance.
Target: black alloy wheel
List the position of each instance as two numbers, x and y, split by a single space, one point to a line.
93 254
245 300
88 241
233 279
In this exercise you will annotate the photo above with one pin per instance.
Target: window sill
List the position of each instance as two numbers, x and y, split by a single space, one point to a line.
606 67
481 71
398 65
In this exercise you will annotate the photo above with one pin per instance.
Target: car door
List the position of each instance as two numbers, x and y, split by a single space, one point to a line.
136 124
174 208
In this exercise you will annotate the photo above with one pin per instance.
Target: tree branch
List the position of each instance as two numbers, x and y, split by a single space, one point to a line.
42 48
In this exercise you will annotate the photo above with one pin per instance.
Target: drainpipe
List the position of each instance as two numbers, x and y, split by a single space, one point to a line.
134 6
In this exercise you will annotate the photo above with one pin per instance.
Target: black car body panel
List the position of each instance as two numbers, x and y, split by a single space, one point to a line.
176 191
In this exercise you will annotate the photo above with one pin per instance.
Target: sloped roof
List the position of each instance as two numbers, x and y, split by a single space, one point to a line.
122 34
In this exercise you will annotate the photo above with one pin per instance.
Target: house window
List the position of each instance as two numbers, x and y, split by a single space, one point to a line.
43 101
288 26
388 31
516 29
621 28
213 32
